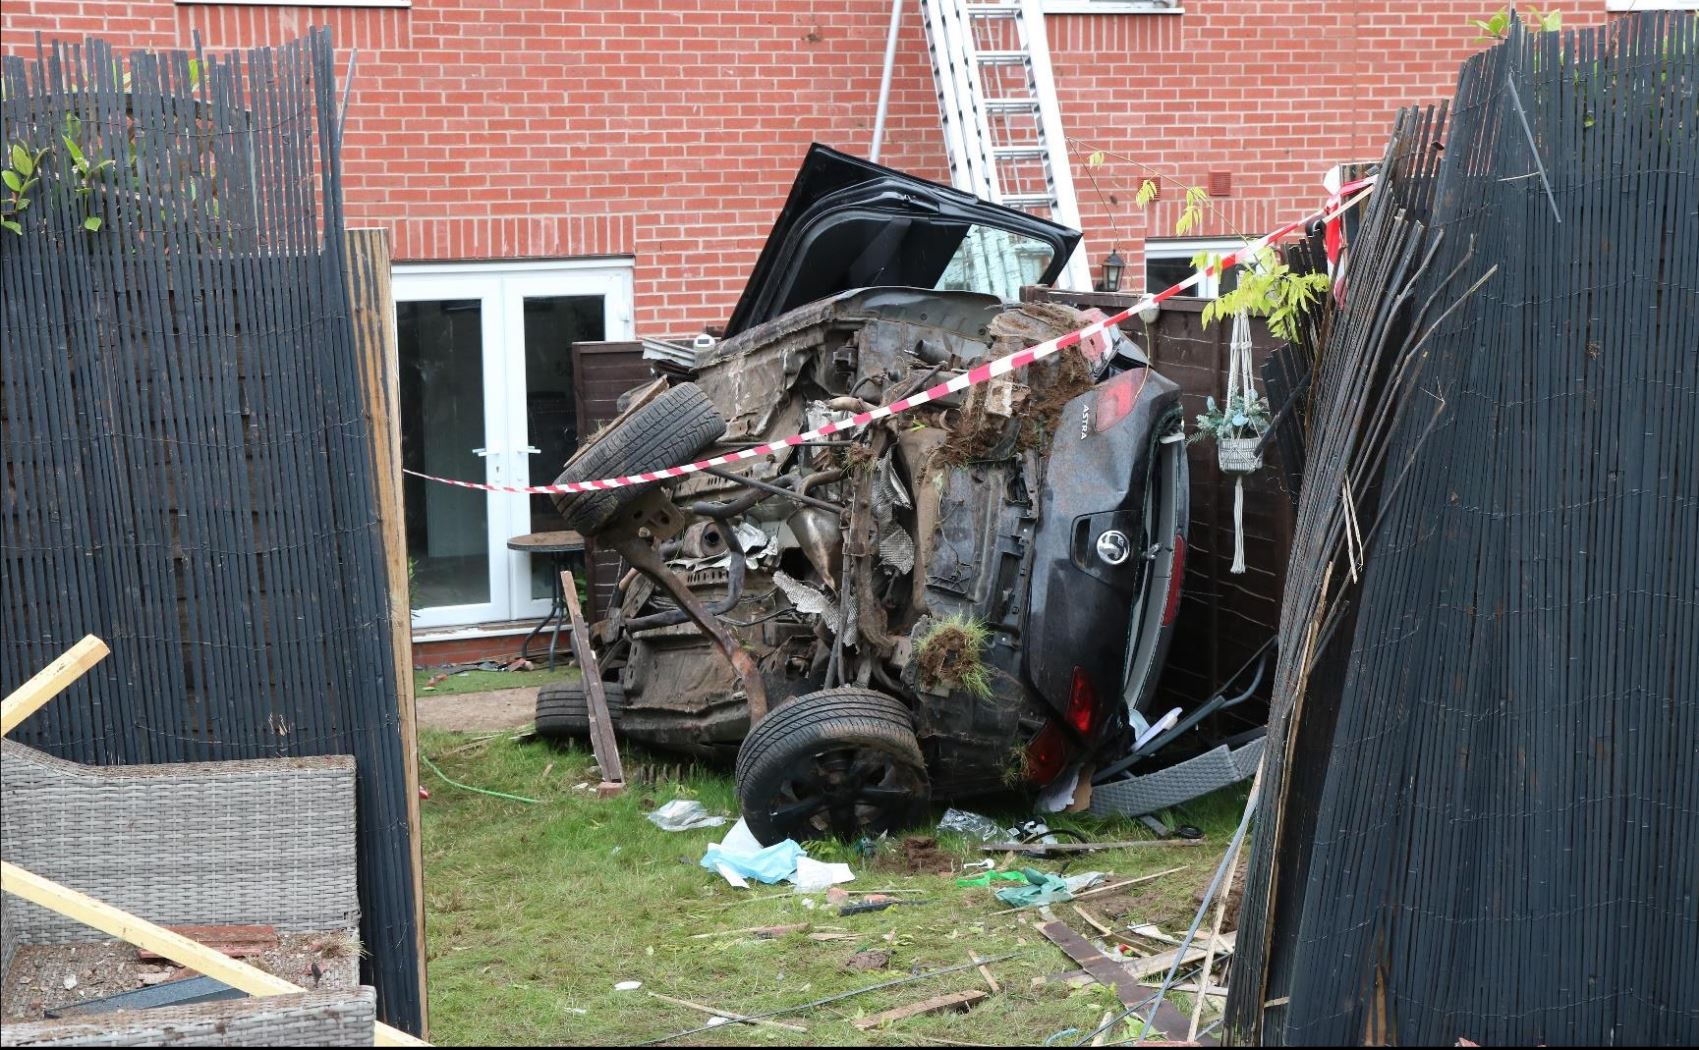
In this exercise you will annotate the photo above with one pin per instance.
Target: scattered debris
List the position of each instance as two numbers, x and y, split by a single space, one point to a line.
962 1001
812 875
965 822
985 972
868 960
1042 888
1082 847
729 1017
1103 969
628 986
685 815
740 857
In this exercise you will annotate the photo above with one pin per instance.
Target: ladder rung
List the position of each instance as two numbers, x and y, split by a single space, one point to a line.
992 10
1002 58
1017 152
1029 200
1011 105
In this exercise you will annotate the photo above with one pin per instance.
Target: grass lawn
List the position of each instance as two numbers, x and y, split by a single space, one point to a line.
534 912
485 681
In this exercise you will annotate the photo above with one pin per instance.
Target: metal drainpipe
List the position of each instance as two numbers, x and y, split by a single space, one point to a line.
885 81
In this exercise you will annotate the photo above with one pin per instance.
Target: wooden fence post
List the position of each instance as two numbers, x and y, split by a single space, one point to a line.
371 307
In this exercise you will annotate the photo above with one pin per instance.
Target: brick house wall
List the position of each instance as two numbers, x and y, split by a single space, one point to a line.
668 130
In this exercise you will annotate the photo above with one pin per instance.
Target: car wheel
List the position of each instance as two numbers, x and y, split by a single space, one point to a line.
840 763
663 433
563 711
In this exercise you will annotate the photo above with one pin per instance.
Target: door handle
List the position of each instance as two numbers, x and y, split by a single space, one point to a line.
532 450
484 453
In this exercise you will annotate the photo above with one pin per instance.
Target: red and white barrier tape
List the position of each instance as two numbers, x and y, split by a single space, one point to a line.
1091 335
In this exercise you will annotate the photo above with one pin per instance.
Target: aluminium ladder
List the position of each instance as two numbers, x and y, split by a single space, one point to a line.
997 100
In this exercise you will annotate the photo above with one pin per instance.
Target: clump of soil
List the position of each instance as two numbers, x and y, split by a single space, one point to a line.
949 654
1054 382
916 855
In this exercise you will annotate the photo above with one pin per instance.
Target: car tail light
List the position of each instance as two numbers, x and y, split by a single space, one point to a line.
1082 703
1047 755
1175 574
1116 398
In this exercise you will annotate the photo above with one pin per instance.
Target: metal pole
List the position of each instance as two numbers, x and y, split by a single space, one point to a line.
885 81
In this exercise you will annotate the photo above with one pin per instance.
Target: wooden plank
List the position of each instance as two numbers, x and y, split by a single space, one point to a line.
602 740
1103 969
1081 847
234 941
115 922
985 972
1161 964
953 1001
50 681
371 306
740 1018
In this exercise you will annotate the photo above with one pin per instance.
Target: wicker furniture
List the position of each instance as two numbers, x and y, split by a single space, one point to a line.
269 842
343 1018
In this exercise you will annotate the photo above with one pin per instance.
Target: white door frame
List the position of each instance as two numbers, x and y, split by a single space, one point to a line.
502 288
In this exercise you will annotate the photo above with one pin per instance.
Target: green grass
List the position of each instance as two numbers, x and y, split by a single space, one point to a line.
487 681
534 912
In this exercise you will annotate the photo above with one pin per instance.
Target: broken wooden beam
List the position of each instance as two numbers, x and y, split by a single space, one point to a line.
954 1001
1142 968
1103 969
602 742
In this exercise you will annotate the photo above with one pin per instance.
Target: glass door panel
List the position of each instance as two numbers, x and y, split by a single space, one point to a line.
442 422
552 324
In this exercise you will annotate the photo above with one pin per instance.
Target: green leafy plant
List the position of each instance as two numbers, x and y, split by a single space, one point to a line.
21 177
85 171
1267 288
1497 27
1239 418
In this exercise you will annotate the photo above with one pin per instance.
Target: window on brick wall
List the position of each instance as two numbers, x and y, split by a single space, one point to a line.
1651 5
1168 261
1111 7
301 3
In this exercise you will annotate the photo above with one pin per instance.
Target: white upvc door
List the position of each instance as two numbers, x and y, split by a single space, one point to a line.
486 395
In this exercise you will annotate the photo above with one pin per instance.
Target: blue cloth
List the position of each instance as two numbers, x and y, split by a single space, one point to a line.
771 864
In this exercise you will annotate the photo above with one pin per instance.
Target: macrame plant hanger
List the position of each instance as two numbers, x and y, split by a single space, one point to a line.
1240 455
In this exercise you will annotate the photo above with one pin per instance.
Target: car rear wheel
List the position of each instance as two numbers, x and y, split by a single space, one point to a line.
563 712
839 763
666 432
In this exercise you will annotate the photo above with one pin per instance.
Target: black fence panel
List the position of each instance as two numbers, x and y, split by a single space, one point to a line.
187 468
1479 813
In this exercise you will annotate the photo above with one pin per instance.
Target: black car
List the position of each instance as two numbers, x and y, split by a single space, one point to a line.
966 597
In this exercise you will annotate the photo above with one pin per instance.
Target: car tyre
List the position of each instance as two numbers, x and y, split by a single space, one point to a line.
563 711
666 432
841 763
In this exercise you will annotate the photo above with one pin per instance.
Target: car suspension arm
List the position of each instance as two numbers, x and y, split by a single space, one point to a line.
642 556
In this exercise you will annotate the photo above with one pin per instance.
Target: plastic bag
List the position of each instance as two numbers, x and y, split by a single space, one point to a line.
983 828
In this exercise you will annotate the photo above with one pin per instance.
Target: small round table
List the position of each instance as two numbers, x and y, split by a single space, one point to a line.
555 546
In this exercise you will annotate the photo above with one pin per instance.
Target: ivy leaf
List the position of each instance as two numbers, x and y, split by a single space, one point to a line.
13 183
92 223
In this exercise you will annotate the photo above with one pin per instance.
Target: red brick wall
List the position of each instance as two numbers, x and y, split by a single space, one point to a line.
669 129
1276 91
664 129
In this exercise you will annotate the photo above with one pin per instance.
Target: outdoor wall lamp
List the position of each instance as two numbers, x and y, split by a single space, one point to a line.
1112 268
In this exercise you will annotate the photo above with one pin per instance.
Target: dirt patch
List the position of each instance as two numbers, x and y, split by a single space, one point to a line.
949 654
479 712
915 855
1235 897
867 961
36 981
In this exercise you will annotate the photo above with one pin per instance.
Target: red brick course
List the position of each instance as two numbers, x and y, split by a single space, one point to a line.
668 130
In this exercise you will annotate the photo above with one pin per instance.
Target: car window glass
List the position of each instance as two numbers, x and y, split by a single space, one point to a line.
995 261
